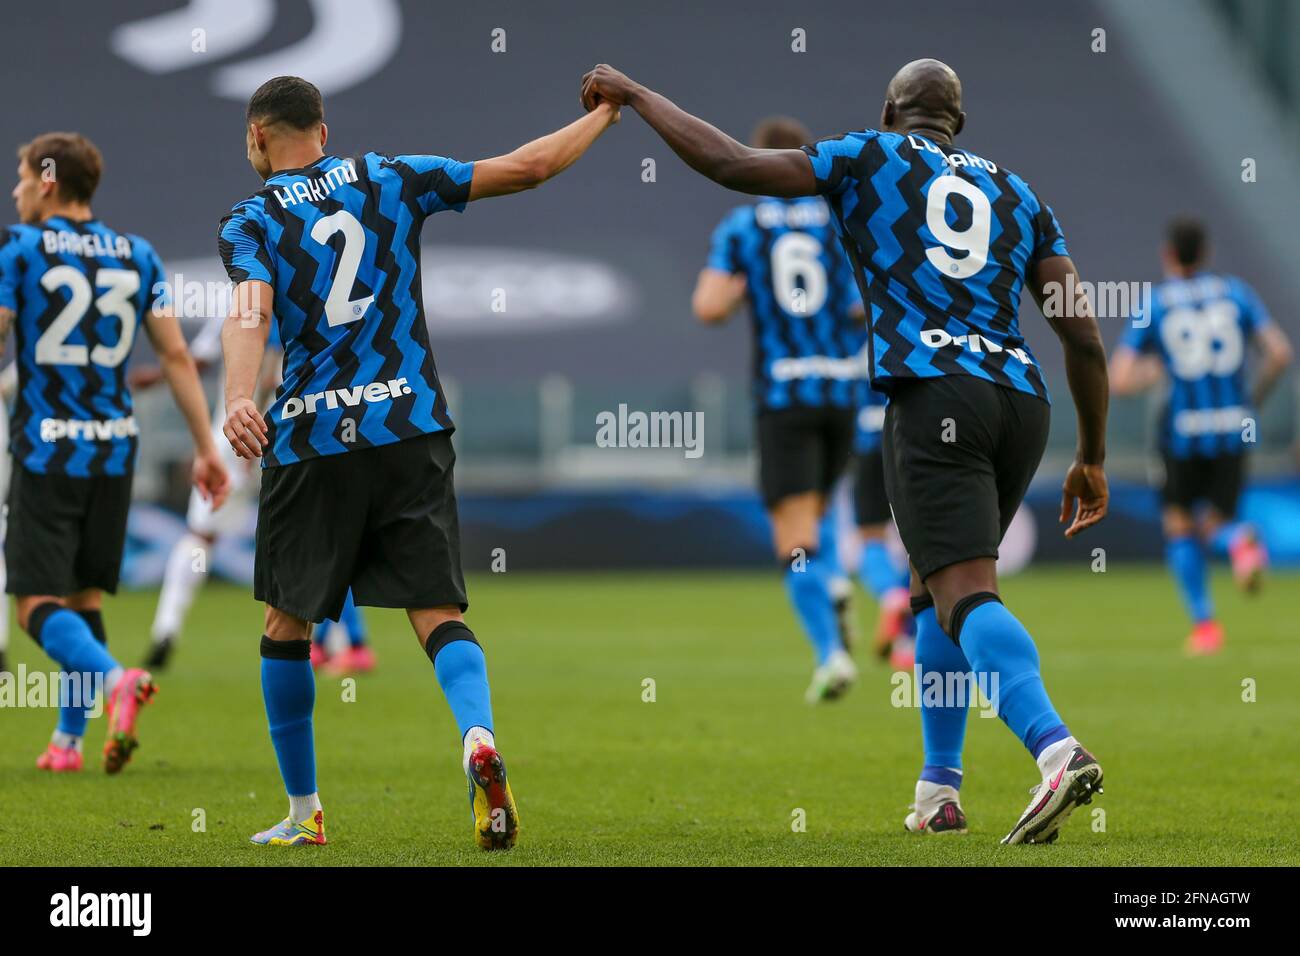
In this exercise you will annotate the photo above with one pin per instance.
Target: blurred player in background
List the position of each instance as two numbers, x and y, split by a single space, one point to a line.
1195 328
880 574
75 292
942 244
8 389
357 487
349 629
808 380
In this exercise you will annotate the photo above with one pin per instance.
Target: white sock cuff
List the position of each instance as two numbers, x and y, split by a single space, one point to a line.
302 808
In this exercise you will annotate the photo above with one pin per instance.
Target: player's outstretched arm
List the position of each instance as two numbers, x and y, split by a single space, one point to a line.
1085 495
706 149
182 377
243 343
534 163
717 294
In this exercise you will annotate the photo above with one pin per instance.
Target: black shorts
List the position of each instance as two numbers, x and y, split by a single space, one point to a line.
802 450
1217 480
381 521
870 500
959 455
65 534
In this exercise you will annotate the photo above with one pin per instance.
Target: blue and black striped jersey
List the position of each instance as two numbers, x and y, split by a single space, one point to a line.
1199 327
807 346
339 241
80 291
941 241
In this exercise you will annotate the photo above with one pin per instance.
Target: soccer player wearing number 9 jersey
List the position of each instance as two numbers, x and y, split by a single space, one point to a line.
1198 326
357 486
943 242
75 292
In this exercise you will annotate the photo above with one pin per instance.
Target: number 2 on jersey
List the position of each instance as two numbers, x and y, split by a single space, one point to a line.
339 309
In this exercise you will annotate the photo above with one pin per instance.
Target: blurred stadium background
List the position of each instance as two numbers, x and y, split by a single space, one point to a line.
597 268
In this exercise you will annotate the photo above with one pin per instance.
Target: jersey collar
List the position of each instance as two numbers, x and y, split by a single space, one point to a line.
297 171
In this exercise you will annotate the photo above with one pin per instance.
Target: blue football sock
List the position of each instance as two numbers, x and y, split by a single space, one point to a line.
829 546
1187 564
67 637
461 669
1005 661
1222 539
289 690
79 697
879 573
809 591
943 725
351 620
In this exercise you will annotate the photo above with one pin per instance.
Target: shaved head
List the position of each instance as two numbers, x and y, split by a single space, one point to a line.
924 94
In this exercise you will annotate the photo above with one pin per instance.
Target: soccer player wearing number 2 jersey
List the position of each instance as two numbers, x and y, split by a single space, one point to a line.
76 291
943 242
1197 326
356 448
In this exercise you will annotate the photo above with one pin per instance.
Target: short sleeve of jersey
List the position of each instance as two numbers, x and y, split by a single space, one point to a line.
1254 314
437 182
157 292
830 161
9 266
1140 333
723 246
1049 240
242 244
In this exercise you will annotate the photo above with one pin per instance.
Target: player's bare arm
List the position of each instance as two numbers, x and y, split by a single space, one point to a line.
7 317
150 375
1131 372
1275 355
243 343
178 368
717 295
1085 495
705 148
534 163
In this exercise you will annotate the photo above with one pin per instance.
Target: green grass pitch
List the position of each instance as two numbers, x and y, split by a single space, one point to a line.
711 772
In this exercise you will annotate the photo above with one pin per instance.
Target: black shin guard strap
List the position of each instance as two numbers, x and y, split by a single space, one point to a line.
286 650
921 603
36 620
95 621
444 634
962 608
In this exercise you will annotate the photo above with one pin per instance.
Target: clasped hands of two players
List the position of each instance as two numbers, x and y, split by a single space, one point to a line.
604 84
